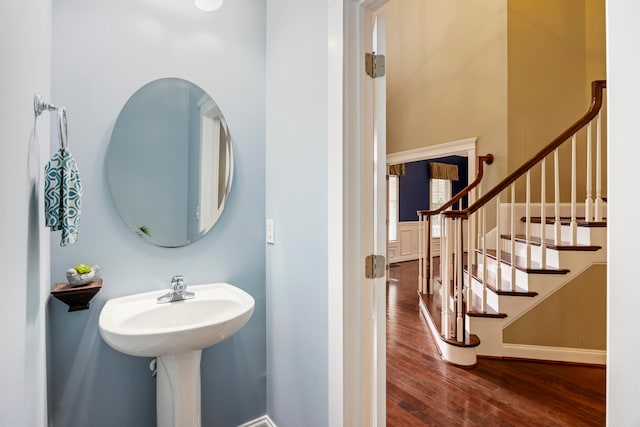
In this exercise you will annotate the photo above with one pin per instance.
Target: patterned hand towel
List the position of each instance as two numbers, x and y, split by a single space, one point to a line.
63 196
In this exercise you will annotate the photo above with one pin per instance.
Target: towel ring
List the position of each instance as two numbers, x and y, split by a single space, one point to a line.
63 136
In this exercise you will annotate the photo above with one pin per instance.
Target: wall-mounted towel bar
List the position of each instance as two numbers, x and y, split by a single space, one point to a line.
62 186
39 105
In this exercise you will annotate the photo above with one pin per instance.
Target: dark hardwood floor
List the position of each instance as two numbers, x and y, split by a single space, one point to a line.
423 390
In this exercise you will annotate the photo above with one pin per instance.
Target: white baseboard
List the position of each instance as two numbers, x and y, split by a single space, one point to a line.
559 354
462 356
263 421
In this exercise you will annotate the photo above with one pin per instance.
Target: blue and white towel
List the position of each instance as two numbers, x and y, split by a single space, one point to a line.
63 196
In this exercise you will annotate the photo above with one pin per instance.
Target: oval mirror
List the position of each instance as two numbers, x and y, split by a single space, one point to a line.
170 162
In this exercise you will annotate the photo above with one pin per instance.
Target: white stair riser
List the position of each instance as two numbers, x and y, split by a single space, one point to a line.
536 253
514 306
583 235
555 258
522 278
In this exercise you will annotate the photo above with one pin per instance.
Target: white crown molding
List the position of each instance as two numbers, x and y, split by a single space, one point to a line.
460 147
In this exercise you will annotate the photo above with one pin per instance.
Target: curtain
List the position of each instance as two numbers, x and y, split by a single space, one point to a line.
398 170
443 171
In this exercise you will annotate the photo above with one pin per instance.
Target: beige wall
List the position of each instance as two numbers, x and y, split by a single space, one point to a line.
574 317
514 73
555 49
447 75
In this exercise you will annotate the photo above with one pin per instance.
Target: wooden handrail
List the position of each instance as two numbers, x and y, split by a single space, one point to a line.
488 159
597 88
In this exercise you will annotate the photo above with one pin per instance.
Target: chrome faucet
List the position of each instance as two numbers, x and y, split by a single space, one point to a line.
177 291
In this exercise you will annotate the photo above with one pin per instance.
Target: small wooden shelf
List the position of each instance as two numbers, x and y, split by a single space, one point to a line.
76 297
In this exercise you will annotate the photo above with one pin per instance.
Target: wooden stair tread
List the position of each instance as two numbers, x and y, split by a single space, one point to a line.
487 314
492 285
565 220
550 243
476 310
432 302
535 267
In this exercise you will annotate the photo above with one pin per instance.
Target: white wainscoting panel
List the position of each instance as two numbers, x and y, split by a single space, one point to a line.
406 247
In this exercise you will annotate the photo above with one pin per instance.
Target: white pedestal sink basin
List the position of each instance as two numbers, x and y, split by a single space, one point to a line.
175 333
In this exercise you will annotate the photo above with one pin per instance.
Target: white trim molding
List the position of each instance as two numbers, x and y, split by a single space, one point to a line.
461 147
263 421
462 356
558 354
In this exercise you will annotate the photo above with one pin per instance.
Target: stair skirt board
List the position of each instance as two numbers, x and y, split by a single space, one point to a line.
517 307
556 354
461 356
263 421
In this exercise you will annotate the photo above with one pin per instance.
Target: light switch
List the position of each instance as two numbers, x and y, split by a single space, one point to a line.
270 233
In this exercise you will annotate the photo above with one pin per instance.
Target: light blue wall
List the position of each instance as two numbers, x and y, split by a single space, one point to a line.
24 245
296 194
102 53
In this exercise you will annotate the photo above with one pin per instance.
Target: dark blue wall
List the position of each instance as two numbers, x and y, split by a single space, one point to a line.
413 187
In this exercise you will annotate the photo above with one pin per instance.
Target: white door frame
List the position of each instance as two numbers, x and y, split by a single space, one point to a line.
350 395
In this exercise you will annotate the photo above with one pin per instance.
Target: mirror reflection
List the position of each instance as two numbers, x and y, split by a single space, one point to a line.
170 162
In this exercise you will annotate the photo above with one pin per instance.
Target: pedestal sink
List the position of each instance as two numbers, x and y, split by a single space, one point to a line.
175 333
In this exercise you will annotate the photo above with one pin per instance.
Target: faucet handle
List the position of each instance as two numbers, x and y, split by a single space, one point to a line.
177 283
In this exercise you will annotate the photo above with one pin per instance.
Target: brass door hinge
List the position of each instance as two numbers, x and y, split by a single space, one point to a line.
375 267
374 65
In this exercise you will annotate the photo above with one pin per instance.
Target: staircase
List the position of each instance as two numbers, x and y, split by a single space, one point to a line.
505 255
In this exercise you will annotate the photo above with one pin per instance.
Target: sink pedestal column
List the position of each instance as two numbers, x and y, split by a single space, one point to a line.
178 390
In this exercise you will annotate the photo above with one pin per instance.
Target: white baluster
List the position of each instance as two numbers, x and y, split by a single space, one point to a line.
556 174
588 201
451 247
574 222
598 207
484 261
470 234
444 278
543 214
430 266
427 274
527 208
420 250
478 227
498 246
458 283
513 237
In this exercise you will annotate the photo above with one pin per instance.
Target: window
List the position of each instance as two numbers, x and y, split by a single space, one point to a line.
440 193
393 208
